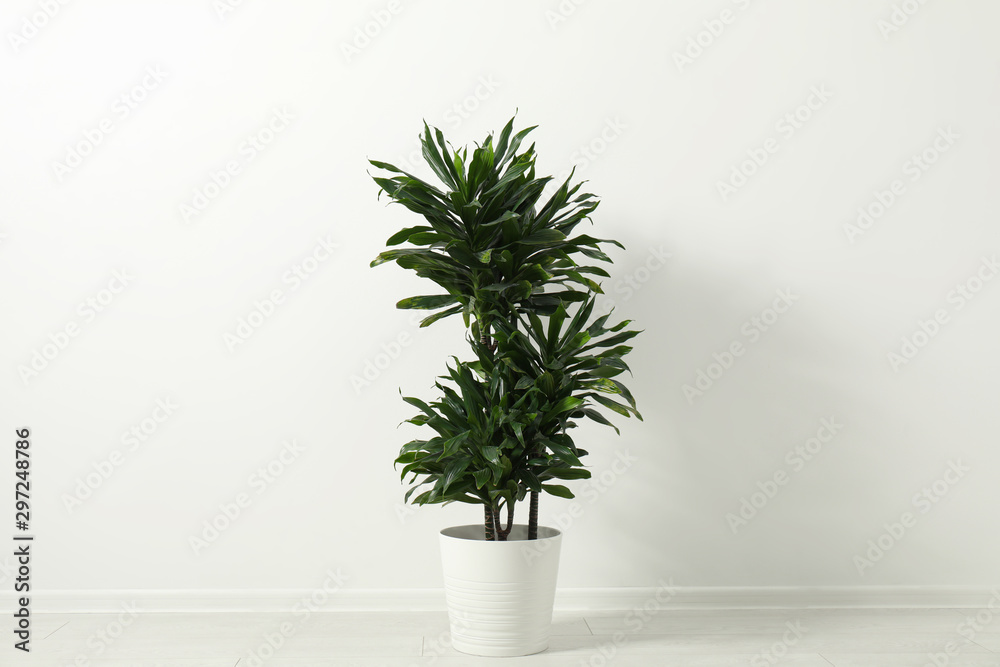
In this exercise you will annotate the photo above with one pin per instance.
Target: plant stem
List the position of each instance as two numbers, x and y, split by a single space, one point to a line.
533 517
490 532
503 533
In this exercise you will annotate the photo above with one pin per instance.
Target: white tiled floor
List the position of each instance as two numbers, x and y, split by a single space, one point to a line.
674 638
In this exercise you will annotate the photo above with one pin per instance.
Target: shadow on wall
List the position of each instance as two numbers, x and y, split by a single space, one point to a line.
754 472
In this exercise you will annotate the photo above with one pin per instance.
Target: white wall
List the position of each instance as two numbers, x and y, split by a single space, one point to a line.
674 132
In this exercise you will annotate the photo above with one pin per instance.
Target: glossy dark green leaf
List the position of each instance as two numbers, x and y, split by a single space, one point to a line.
404 234
600 419
453 471
544 236
612 405
567 473
482 477
431 302
524 383
431 319
558 490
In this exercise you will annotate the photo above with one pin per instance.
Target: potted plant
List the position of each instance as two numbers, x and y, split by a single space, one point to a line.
509 264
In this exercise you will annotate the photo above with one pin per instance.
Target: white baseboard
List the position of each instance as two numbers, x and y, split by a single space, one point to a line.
580 599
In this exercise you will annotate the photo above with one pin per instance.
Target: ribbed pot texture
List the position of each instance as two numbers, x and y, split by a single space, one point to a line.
500 594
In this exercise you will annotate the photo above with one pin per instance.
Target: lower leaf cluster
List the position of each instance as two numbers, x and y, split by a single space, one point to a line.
502 420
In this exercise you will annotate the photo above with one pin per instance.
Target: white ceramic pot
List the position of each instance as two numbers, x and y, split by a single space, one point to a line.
500 594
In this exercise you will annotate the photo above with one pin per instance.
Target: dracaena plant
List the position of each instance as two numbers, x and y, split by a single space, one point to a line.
512 266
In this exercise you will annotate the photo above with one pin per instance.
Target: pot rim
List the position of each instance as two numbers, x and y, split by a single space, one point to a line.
553 533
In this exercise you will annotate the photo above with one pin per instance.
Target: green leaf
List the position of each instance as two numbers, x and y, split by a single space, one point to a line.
613 340
556 321
558 490
385 165
521 290
605 371
416 402
421 253
507 215
516 142
482 477
426 302
435 160
546 382
612 405
567 473
583 239
431 319
600 419
623 390
563 452
524 383
513 172
453 471
578 341
427 238
531 481
410 447
450 164
566 404
404 234
452 445
544 236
